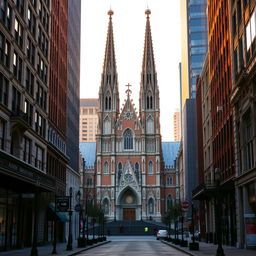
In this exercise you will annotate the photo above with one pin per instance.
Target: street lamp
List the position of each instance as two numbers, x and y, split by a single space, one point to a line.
69 245
220 251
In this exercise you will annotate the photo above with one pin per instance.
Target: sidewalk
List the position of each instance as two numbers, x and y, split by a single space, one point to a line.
47 250
210 250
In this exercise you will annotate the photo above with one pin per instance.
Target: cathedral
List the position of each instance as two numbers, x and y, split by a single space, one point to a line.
132 174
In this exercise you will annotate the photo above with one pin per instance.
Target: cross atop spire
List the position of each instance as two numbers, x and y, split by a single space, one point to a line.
128 91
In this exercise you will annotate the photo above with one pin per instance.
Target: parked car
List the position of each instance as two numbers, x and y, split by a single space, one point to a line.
162 233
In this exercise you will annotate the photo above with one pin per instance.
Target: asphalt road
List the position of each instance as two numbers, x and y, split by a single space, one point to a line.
133 246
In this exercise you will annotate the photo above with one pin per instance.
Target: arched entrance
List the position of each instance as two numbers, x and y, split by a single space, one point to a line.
128 205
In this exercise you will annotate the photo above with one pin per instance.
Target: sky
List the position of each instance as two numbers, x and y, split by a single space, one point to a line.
129 23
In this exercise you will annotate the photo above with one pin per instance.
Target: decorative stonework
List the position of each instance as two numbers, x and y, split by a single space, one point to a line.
128 115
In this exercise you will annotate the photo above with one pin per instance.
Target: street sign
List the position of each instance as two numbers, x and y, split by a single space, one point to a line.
78 208
62 203
185 204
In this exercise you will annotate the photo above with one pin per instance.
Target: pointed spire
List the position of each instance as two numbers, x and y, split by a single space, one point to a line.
148 64
109 66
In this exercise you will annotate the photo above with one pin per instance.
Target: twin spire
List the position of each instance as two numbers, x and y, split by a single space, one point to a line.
109 66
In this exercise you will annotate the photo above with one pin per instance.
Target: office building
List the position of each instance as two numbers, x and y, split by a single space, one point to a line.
88 119
176 126
243 48
194 44
24 61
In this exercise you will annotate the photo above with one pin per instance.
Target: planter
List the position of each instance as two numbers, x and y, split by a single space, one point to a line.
176 241
194 246
81 242
184 243
89 242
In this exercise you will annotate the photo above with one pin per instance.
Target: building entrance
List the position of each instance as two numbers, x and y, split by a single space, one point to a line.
129 214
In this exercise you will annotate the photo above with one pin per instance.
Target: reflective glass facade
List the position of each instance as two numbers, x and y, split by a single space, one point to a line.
194 16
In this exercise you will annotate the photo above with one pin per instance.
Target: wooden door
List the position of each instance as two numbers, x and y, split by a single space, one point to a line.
129 214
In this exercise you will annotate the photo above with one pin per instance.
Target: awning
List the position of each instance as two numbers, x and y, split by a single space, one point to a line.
62 216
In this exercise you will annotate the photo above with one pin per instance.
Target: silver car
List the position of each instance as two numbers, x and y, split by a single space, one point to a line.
162 233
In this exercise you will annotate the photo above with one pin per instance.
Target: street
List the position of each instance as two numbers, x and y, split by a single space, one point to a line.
133 246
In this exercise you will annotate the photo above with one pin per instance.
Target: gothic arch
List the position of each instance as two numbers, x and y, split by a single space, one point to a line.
149 100
106 205
169 202
107 125
108 101
127 191
150 167
128 138
151 206
106 168
150 124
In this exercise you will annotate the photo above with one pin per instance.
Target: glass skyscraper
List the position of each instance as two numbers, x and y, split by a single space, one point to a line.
194 44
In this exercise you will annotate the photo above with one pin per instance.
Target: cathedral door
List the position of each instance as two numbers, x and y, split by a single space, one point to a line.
129 214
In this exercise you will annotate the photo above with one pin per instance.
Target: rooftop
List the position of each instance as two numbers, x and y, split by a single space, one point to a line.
170 151
89 102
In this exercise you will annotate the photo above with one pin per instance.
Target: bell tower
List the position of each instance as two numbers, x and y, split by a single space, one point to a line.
149 117
108 92
107 115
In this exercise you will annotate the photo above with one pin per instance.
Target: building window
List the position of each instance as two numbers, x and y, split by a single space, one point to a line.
42 69
31 51
108 102
16 95
137 170
17 66
251 30
107 126
2 133
149 101
18 32
20 6
4 51
41 96
169 202
31 22
169 181
89 182
39 158
4 90
40 124
5 13
106 206
150 125
27 150
128 140
150 167
30 82
151 206
249 142
106 168
28 110
120 168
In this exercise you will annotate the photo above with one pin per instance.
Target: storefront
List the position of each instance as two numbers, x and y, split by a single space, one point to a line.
22 189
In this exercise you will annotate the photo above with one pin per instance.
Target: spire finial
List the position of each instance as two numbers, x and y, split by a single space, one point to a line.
147 11
110 12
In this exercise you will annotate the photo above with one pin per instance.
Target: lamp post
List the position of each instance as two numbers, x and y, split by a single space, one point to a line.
78 198
69 245
220 251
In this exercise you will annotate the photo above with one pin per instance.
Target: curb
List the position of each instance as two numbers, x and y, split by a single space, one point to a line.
91 247
178 248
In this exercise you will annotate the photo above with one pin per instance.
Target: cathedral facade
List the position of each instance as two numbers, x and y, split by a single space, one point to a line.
130 178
